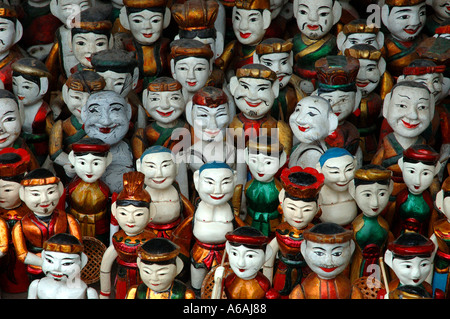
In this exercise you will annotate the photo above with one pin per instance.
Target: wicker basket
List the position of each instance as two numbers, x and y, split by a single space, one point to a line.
208 282
369 286
94 249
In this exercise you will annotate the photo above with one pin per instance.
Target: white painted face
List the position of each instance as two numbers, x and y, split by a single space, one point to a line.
342 103
210 123
327 260
132 219
157 277
409 111
216 185
372 198
61 266
417 176
446 207
10 122
90 167
84 45
315 18
65 10
263 167
441 9
310 121
115 82
360 38
368 77
159 169
254 97
338 172
146 26
75 100
106 117
433 81
26 91
298 213
9 194
248 26
405 23
412 271
42 199
245 262
7 34
165 106
192 73
280 64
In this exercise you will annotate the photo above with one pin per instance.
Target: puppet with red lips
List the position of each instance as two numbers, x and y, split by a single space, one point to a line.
405 20
327 280
254 89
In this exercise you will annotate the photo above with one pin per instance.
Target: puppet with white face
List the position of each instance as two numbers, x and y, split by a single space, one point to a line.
312 121
62 261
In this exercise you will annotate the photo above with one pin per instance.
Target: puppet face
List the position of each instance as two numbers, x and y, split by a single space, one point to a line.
406 22
262 166
65 10
368 77
84 45
254 97
117 82
311 120
298 213
146 26
409 111
159 169
107 117
7 34
360 38
192 73
433 81
441 9
372 198
248 26
26 91
417 176
75 100
327 260
165 106
10 122
132 219
315 18
338 172
245 262
412 271
341 102
158 277
9 194
210 123
279 63
90 167
61 266
42 199
215 185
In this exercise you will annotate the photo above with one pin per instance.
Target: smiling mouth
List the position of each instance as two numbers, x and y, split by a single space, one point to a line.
3 140
337 113
416 187
245 35
260 175
88 58
106 130
89 175
303 128
191 83
130 226
313 27
165 114
21 97
147 35
340 184
217 197
252 104
362 84
328 269
159 182
45 206
409 125
411 31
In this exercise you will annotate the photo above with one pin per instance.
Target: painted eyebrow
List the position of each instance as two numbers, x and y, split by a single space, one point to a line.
315 108
348 165
404 96
7 113
403 10
424 98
